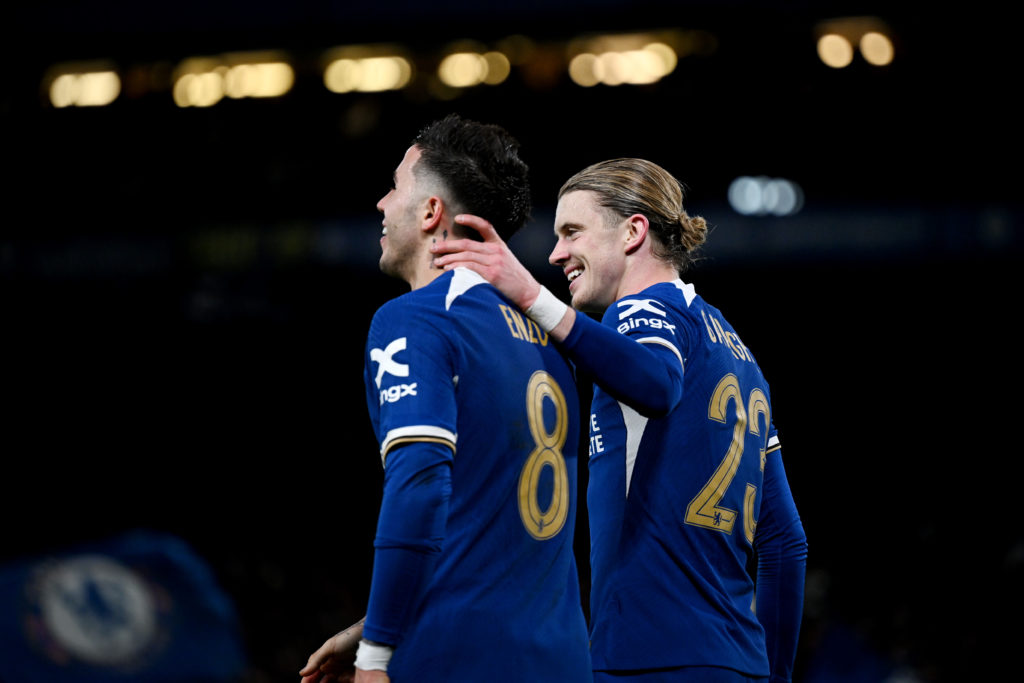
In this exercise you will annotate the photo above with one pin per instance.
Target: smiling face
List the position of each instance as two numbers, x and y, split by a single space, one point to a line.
400 238
590 250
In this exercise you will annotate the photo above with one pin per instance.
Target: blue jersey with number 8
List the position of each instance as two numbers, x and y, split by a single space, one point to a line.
455 363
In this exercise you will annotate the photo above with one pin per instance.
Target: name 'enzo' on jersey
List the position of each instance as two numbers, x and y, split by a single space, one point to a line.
522 327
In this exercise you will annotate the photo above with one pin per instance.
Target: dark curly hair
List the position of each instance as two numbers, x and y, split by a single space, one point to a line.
480 165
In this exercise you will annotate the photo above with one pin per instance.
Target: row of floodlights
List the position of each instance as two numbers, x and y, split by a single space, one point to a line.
625 59
202 82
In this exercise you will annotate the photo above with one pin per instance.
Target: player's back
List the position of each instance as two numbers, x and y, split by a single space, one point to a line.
503 602
673 500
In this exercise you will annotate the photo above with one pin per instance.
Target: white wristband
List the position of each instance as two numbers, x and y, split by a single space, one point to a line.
372 657
547 310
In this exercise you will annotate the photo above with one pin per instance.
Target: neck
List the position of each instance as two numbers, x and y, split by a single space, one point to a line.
423 270
645 274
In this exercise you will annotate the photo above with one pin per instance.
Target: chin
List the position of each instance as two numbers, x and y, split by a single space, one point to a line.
587 305
578 301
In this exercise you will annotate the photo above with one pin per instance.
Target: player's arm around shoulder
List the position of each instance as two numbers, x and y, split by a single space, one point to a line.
631 356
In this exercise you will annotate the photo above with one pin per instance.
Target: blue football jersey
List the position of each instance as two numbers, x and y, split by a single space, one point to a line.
456 363
673 501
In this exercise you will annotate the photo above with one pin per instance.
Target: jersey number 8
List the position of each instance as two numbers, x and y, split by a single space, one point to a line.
547 452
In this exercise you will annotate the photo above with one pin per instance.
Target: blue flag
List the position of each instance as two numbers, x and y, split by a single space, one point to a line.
140 607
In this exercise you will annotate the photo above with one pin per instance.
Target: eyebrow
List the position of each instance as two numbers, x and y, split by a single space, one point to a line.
565 227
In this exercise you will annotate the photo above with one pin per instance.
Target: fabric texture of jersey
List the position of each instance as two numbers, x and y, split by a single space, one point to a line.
454 363
673 501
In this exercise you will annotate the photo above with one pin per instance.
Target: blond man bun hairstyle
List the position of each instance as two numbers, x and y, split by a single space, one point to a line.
630 186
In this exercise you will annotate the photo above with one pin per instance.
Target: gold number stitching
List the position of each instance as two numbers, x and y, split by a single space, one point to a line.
756 409
704 510
544 524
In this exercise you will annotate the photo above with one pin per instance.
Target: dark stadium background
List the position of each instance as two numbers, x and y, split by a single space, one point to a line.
185 295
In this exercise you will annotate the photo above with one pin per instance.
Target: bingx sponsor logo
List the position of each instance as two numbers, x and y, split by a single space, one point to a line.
387 365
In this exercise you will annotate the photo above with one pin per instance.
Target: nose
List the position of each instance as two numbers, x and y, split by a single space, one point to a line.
380 202
559 254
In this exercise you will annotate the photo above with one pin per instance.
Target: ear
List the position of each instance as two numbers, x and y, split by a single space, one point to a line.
431 213
636 232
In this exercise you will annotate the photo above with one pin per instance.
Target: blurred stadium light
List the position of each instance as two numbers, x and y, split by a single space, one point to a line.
468 69
369 68
760 195
204 81
838 37
94 89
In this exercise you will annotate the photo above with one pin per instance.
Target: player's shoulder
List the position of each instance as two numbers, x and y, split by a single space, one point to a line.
464 284
394 311
425 300
432 306
408 316
669 300
718 336
443 292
